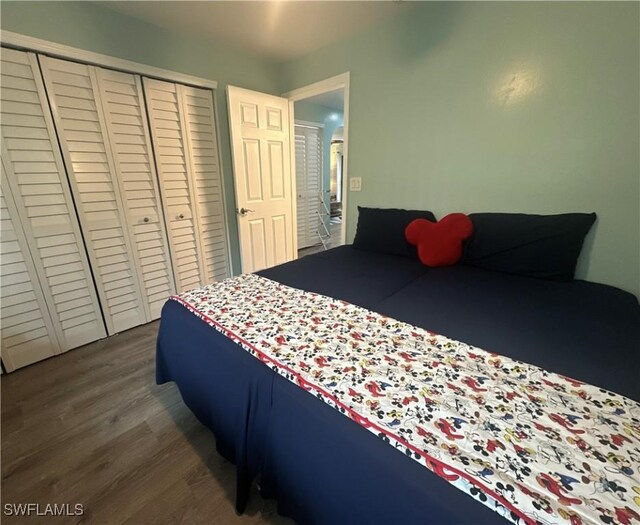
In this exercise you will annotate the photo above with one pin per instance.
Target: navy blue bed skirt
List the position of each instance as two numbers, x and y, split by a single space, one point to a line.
324 468
321 467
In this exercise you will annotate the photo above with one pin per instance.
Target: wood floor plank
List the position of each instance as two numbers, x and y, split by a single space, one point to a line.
91 426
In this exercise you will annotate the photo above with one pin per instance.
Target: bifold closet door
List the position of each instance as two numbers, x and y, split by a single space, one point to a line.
126 122
182 123
28 334
202 143
72 90
101 125
33 172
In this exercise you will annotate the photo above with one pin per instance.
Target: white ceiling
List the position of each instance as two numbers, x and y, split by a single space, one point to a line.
277 30
330 99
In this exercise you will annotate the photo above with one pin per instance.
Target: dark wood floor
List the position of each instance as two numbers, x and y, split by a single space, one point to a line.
91 427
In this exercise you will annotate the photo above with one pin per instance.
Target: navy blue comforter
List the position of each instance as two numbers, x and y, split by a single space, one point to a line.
325 469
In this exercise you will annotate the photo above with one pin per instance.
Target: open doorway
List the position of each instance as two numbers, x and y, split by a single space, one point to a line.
320 132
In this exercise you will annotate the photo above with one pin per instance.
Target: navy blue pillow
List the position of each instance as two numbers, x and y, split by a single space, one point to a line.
541 246
382 230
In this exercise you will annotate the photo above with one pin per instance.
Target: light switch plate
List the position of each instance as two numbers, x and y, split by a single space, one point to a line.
355 184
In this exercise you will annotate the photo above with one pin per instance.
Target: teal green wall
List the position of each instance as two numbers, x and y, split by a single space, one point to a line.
89 26
479 106
318 114
436 121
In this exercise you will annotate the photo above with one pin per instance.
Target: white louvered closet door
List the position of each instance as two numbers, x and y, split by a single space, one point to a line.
28 334
178 193
186 152
202 144
34 174
74 97
126 122
309 183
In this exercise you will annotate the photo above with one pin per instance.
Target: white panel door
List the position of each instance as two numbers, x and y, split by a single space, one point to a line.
28 334
35 174
126 123
202 143
261 142
74 96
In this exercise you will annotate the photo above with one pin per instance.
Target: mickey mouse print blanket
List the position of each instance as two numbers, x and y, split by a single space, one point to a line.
535 446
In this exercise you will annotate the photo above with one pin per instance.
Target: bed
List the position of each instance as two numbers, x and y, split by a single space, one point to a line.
321 466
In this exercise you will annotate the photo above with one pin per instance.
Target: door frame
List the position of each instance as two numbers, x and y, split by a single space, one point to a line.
341 81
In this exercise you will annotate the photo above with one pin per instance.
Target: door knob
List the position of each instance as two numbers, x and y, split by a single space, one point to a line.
244 211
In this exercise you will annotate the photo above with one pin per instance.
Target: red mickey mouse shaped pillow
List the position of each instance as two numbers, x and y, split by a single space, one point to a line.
439 243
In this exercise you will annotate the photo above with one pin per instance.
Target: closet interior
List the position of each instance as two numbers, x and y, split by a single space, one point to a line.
111 200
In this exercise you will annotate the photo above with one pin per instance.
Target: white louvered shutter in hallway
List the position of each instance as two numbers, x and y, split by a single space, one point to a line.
309 183
301 187
28 334
39 187
126 123
74 97
314 184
